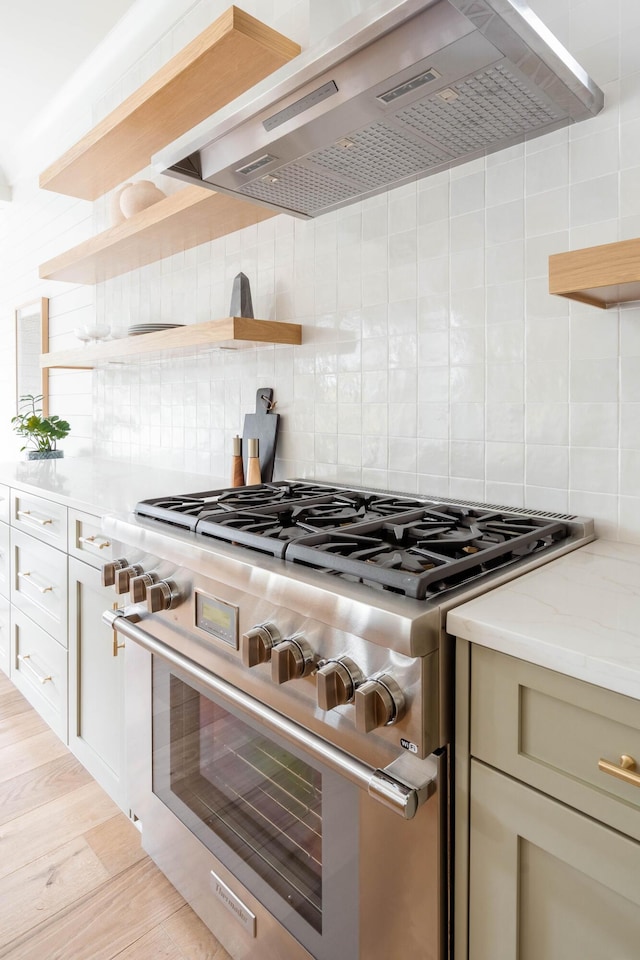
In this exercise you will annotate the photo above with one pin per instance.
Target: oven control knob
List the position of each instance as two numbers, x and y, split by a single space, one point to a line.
138 586
291 659
124 575
109 571
379 703
256 644
336 682
162 595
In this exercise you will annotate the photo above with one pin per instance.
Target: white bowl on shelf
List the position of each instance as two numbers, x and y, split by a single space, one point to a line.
93 333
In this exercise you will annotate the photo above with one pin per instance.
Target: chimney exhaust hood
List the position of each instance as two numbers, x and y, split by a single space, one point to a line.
399 92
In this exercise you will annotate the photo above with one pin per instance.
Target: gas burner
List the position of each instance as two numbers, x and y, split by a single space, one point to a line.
185 511
268 530
267 493
384 505
271 527
426 554
181 512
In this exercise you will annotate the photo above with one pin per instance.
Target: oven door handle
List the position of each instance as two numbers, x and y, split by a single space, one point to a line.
402 794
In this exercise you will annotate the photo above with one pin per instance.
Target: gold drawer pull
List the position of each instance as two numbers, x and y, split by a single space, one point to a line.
93 541
34 518
25 660
624 770
27 575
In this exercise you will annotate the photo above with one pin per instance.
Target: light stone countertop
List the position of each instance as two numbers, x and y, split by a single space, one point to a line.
578 615
101 486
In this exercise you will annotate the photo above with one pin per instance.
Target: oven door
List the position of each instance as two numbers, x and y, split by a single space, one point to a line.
262 809
280 853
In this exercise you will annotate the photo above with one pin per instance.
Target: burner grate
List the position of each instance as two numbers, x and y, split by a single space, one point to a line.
272 527
187 510
417 546
426 556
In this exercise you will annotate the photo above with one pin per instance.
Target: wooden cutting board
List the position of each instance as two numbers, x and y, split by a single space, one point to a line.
263 425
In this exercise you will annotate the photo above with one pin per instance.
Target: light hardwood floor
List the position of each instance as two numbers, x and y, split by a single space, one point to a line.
75 883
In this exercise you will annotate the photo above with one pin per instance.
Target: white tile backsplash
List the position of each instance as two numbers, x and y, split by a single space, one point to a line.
547 423
434 358
594 425
505 421
547 466
597 380
546 211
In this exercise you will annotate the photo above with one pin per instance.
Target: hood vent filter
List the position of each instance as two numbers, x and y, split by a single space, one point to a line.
425 135
407 88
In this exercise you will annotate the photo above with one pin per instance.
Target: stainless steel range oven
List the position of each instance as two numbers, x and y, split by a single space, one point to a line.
289 704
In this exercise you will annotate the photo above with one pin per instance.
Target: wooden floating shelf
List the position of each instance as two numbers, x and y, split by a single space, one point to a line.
230 56
601 276
186 219
231 333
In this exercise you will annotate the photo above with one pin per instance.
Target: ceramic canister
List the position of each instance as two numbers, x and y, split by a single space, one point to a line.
138 196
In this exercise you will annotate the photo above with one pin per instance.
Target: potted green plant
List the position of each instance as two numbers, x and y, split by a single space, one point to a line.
42 433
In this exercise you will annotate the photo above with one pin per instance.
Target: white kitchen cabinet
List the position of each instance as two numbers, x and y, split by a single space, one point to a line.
96 678
547 844
5 583
37 571
86 540
40 518
57 634
39 583
5 496
5 636
39 670
5 553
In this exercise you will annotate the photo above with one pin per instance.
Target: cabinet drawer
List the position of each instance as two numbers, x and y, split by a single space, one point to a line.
5 636
551 731
86 541
5 494
5 554
41 518
39 671
39 583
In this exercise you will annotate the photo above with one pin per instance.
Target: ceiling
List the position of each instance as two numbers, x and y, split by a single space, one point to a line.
42 44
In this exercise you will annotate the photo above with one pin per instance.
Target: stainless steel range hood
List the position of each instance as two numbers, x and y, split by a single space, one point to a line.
406 89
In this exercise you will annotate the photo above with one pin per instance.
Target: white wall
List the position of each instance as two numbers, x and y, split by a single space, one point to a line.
34 227
433 359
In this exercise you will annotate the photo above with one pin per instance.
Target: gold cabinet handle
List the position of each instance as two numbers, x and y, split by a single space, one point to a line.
25 660
625 769
27 575
34 518
95 542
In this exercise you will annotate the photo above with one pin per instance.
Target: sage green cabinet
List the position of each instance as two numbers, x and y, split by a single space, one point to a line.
546 881
547 843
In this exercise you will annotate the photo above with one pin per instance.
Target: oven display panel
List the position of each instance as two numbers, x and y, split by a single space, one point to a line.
217 618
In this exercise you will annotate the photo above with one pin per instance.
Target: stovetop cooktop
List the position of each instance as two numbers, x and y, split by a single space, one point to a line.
416 546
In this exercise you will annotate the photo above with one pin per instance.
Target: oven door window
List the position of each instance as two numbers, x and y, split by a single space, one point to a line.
257 804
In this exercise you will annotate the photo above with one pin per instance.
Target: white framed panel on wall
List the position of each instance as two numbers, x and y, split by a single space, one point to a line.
32 340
